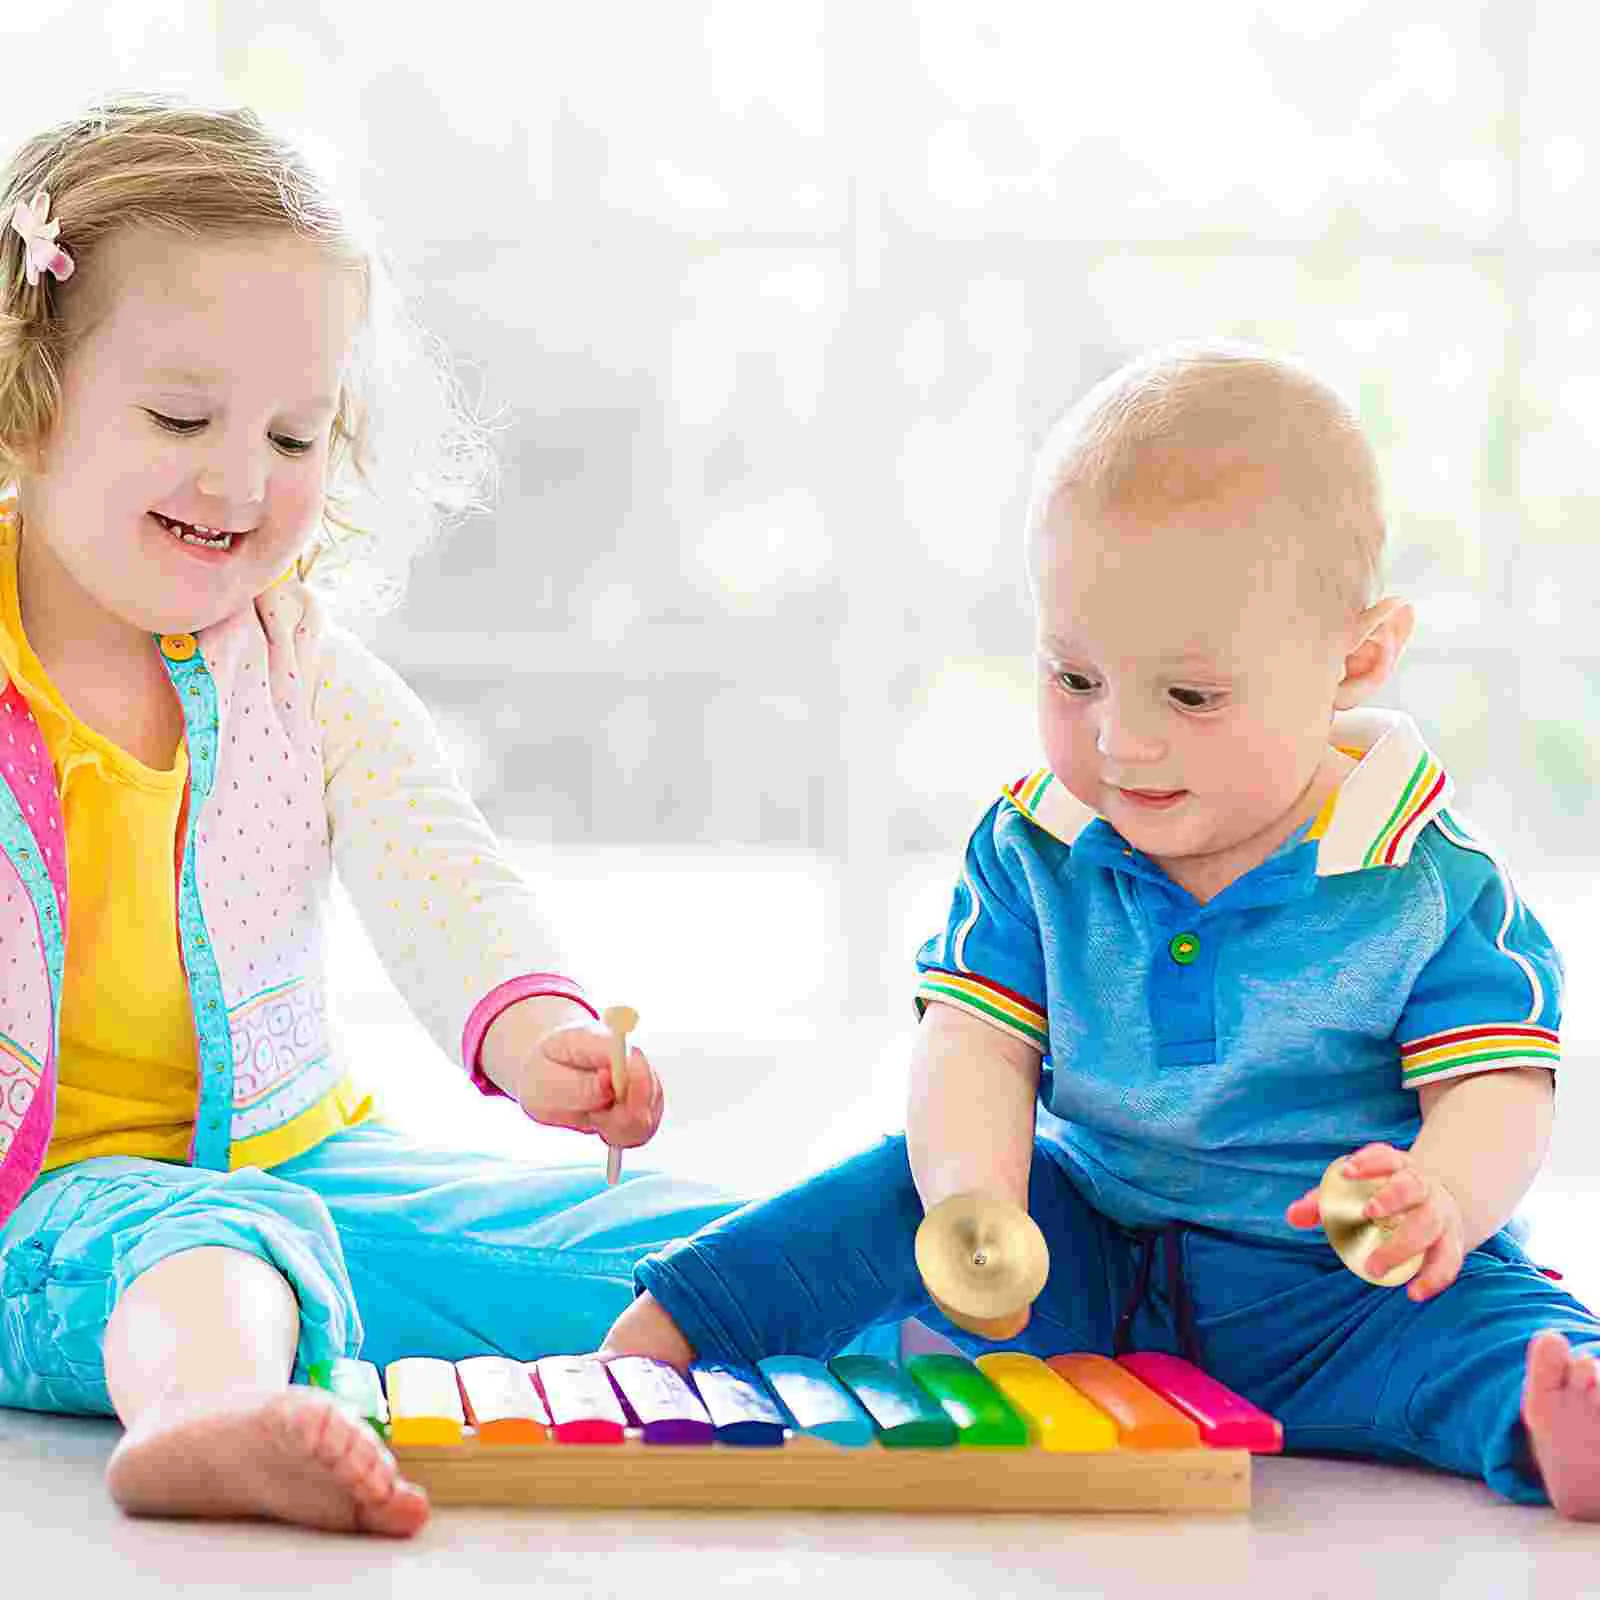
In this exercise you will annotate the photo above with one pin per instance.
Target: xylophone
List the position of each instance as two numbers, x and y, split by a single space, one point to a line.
1008 1432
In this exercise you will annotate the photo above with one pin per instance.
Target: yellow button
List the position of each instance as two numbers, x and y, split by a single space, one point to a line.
177 646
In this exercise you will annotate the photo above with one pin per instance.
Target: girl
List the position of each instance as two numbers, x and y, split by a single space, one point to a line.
194 1200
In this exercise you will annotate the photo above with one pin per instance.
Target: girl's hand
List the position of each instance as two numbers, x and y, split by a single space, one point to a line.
562 1075
1427 1215
575 1061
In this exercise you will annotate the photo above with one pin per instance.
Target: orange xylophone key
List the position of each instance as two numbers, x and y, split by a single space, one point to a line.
1144 1420
501 1401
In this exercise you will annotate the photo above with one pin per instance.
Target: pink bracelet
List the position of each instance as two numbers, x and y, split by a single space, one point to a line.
529 986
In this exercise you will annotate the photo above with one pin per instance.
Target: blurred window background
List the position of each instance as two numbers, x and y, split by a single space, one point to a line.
772 304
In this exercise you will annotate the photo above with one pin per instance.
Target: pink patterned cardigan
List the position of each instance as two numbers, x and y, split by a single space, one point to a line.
306 754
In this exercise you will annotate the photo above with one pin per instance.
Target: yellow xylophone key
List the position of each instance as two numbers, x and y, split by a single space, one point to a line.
424 1402
501 1401
1058 1416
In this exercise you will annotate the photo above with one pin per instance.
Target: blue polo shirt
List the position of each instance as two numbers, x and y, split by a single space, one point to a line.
1207 1061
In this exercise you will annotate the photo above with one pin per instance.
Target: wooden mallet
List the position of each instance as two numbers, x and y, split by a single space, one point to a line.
621 1020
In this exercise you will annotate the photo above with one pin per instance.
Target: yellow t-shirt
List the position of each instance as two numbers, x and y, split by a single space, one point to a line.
127 1081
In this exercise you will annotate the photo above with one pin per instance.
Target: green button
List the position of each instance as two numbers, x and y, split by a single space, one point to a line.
1184 948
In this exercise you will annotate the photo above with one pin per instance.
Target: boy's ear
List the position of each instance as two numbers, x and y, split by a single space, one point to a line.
1380 634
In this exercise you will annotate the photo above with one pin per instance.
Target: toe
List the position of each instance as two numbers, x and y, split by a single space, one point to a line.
362 1471
374 1475
334 1439
401 1513
1549 1361
304 1423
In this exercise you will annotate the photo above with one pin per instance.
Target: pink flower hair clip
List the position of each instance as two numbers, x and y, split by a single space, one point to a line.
42 253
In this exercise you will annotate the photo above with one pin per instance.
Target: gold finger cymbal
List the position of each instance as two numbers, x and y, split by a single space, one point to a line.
982 1260
1356 1236
996 1328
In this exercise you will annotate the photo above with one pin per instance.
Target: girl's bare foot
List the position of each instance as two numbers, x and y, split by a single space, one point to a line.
1561 1409
290 1455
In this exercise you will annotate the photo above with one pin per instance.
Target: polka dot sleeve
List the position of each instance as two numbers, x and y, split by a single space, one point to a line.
457 928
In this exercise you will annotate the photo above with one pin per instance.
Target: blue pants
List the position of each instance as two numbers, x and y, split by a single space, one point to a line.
1346 1367
392 1249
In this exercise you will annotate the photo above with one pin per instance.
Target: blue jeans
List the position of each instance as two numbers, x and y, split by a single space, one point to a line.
392 1249
1346 1367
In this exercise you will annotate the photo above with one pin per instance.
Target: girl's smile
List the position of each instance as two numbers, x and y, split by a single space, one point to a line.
197 536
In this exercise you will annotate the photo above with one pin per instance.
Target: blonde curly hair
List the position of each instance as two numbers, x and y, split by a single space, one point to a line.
406 450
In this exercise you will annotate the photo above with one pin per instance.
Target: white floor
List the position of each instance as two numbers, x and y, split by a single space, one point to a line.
753 1105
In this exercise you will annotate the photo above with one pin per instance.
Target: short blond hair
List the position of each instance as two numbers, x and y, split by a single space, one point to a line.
157 162
1200 422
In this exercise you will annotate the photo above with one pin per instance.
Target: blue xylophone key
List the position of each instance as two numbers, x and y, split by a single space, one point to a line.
817 1401
742 1411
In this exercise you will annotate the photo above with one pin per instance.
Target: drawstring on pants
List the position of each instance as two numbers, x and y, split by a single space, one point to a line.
1177 1293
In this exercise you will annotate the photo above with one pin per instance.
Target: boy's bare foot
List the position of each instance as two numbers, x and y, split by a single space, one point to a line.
291 1455
1561 1408
645 1329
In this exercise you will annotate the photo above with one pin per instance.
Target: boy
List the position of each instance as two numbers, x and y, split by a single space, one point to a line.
1236 920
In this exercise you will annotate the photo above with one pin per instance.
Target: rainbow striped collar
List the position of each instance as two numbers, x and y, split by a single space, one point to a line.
1375 816
1372 820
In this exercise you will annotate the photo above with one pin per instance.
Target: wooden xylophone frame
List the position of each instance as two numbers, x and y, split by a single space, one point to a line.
808 1474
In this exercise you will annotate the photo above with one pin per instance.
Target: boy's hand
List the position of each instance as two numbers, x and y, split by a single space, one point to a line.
1428 1218
562 1075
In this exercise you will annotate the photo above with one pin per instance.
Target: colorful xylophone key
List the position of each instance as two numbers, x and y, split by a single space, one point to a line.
581 1399
1226 1420
424 1402
659 1402
1059 1416
501 1403
983 1417
819 1404
907 1416
741 1406
1144 1421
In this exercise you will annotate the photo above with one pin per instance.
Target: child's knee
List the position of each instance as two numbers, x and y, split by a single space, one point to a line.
268 1241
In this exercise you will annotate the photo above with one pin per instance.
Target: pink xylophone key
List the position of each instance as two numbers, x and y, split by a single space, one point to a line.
1227 1421
583 1404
